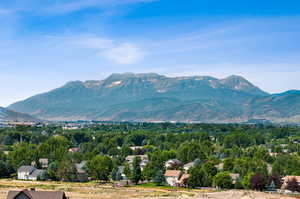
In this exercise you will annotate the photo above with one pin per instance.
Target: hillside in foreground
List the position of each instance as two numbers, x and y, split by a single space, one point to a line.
95 191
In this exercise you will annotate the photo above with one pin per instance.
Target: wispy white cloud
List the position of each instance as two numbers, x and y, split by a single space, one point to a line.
124 53
117 52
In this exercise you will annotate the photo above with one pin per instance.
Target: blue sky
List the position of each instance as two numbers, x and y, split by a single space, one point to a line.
45 43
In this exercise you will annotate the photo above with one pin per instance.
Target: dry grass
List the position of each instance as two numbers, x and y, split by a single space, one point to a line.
95 191
92 190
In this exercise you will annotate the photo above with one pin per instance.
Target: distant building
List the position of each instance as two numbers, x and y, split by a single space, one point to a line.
187 166
143 163
184 179
134 148
81 172
269 168
121 172
173 177
32 194
74 149
220 166
286 179
273 154
29 173
235 177
130 158
173 163
44 133
44 162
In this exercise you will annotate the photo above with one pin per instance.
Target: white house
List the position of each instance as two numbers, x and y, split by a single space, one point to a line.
130 158
173 177
29 173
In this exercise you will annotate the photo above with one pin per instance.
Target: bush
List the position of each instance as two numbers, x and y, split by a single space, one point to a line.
258 182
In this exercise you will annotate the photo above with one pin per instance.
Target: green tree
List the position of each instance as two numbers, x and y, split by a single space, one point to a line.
23 154
53 171
127 170
197 177
246 180
190 151
223 180
55 148
100 167
228 164
67 170
159 178
136 173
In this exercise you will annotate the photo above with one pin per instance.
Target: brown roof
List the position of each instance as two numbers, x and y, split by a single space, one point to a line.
172 173
37 194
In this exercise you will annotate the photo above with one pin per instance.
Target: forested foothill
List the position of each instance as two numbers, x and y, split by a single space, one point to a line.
258 157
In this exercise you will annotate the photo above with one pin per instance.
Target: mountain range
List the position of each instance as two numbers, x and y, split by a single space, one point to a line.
8 115
153 97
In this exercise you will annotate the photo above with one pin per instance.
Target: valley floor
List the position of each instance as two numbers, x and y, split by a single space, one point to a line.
94 191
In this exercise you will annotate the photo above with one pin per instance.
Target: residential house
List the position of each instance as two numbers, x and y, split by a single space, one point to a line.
189 165
29 173
235 177
130 158
134 148
273 154
44 162
70 127
220 166
173 177
81 172
32 194
44 133
173 163
74 149
121 172
269 168
286 179
184 179
143 163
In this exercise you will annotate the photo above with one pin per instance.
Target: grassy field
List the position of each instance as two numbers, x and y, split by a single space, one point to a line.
93 190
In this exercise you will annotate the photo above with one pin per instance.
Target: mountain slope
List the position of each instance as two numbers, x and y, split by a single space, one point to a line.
8 115
153 97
